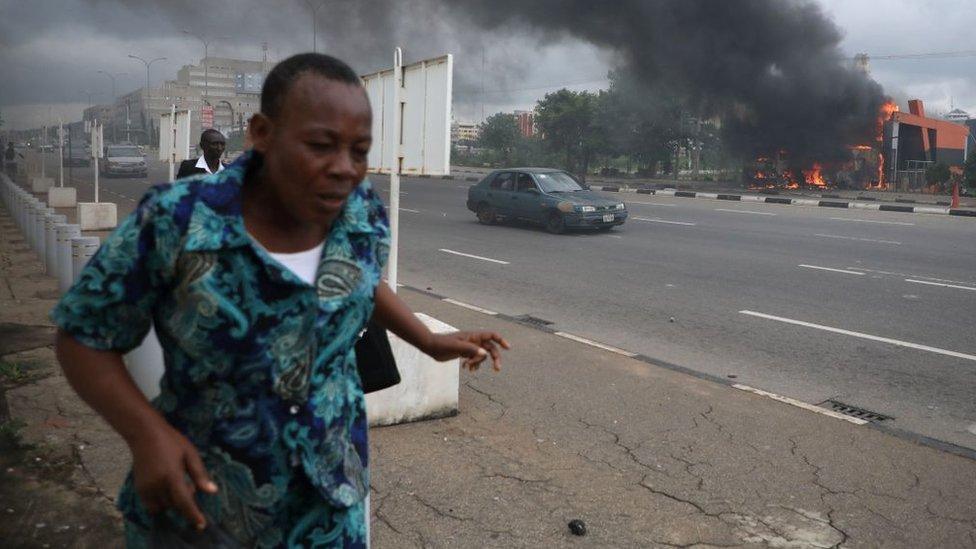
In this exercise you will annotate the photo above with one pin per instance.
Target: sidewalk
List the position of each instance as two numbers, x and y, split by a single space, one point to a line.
647 456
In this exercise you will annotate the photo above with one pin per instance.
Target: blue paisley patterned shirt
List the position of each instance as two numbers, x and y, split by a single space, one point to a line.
260 368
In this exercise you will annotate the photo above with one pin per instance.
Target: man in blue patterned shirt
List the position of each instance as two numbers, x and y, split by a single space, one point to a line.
260 426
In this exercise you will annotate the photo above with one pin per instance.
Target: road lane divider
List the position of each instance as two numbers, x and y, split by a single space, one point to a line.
656 220
598 345
915 276
469 306
861 335
953 286
800 404
837 202
875 221
730 210
842 271
472 256
859 239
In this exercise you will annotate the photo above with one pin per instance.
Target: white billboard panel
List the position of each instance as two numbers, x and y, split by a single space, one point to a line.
423 145
176 143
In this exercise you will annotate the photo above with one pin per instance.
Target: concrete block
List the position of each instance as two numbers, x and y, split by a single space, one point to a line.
62 197
41 184
94 216
428 389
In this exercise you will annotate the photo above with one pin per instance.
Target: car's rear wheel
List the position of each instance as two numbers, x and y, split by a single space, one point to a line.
556 224
486 214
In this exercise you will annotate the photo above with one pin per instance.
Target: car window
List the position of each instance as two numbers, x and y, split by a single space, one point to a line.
558 182
504 181
123 151
525 182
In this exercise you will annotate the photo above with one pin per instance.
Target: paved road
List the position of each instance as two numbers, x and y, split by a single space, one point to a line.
872 309
673 283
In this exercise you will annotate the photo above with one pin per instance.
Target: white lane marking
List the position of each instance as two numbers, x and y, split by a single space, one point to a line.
614 236
655 220
409 210
844 271
462 254
651 204
800 404
742 211
909 275
941 284
895 242
592 343
469 306
872 221
861 335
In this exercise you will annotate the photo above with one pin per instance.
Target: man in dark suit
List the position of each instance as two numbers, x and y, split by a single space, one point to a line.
212 143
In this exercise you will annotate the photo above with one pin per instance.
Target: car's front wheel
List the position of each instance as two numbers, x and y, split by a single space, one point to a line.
486 214
556 224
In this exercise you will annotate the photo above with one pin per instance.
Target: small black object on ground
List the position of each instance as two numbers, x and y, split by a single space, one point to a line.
577 527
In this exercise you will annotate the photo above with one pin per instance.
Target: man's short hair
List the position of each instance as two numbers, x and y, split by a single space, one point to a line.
210 131
284 74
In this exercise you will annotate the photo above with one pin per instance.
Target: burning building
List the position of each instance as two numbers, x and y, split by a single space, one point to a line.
911 142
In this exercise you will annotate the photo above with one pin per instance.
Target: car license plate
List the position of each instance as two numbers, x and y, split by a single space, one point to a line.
608 218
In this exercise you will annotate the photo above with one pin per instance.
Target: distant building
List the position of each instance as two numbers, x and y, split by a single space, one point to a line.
958 116
526 122
231 86
912 142
467 132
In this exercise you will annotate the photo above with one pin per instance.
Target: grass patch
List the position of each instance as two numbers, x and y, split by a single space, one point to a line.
11 436
12 373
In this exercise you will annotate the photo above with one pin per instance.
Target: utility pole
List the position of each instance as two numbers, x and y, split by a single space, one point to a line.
314 6
206 64
115 138
148 93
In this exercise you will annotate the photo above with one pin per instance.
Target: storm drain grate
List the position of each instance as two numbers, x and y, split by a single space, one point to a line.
533 320
854 411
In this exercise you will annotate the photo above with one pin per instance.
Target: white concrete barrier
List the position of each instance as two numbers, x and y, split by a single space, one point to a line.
95 216
82 249
41 184
428 389
62 197
64 234
40 239
51 243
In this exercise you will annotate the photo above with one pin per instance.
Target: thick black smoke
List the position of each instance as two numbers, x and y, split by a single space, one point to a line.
772 68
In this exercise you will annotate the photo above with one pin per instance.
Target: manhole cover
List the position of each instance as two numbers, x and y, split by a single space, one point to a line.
533 320
854 411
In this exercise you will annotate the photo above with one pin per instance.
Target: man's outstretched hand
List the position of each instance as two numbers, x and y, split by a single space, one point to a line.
473 347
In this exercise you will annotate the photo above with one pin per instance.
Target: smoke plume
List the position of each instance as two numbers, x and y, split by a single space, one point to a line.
772 67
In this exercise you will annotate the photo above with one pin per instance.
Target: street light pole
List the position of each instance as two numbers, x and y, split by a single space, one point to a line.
148 91
206 65
314 6
111 77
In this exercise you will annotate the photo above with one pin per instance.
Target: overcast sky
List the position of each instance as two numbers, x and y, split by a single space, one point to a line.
51 50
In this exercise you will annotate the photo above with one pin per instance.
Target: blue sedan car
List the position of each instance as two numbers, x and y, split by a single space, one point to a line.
551 198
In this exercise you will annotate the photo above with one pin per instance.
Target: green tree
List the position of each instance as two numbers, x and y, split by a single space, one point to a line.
969 172
567 123
937 174
500 133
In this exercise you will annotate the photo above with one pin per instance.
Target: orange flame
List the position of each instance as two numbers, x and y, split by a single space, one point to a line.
814 177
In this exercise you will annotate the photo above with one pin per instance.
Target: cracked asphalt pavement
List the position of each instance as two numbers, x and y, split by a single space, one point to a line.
646 456
649 457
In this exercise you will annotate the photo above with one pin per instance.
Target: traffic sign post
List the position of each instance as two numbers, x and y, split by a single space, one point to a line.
411 128
174 138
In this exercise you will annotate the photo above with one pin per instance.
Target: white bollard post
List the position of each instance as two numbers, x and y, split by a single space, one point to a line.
51 243
40 222
64 234
82 249
32 210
